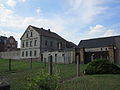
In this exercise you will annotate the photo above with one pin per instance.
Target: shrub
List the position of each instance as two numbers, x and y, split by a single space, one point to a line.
43 81
102 67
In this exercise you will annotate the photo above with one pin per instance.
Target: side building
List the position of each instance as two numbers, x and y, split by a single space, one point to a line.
10 44
100 48
8 48
2 45
35 41
7 43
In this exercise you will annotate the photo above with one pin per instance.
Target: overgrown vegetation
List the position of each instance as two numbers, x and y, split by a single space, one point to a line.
21 70
43 81
102 67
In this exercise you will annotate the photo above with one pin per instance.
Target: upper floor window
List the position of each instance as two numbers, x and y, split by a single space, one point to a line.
60 45
57 44
46 42
23 44
31 34
26 44
51 43
106 49
35 43
30 43
27 35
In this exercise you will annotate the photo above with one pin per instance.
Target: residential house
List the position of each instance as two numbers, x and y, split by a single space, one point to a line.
36 41
2 39
10 44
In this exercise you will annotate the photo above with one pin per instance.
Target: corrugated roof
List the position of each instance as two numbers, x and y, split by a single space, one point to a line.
97 42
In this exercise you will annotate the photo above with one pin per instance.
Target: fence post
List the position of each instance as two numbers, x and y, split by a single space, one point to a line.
45 62
30 63
50 67
63 58
78 66
9 64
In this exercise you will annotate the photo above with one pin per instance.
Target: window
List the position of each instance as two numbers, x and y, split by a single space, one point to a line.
35 43
27 35
31 34
11 41
106 49
26 53
58 45
26 44
30 53
23 44
51 43
22 54
30 43
35 53
46 42
55 58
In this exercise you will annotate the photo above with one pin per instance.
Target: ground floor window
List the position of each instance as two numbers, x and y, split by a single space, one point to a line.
22 53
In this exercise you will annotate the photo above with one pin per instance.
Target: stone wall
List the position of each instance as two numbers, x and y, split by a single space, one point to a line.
10 55
59 57
117 51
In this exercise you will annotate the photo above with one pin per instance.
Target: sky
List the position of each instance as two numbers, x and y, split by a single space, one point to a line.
74 20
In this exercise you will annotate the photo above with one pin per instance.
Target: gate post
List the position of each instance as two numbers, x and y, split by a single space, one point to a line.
78 66
50 66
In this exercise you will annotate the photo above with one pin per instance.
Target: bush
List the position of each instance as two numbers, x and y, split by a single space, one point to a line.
102 67
43 81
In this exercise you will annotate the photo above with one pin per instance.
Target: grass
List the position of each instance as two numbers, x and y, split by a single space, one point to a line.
21 70
93 82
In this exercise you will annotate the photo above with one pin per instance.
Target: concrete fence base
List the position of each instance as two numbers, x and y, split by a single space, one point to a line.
4 86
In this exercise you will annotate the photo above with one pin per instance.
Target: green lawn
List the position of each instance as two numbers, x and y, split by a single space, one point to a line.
21 70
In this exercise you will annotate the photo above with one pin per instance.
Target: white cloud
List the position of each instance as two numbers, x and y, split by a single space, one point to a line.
38 11
99 31
80 12
11 3
9 20
23 0
85 10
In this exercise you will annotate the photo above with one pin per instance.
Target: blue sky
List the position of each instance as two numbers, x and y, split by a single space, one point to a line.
72 19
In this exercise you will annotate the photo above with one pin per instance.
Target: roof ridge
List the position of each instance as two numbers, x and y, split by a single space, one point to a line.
47 32
101 38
